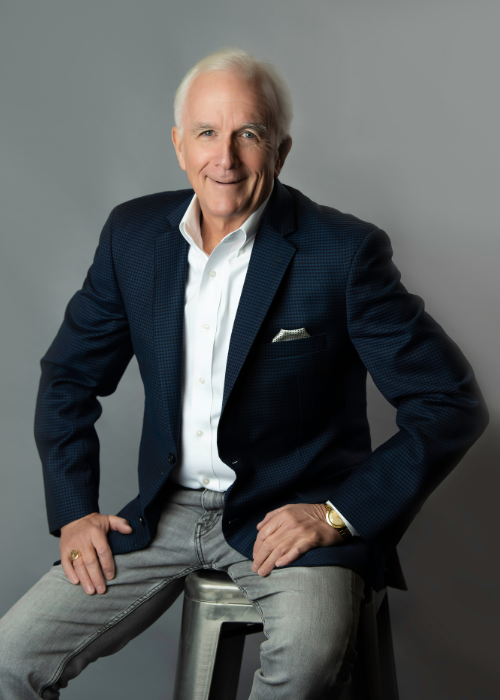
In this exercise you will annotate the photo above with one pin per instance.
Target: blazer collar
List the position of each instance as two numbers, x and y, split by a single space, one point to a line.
279 214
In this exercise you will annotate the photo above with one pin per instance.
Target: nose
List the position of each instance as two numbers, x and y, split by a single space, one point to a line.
227 156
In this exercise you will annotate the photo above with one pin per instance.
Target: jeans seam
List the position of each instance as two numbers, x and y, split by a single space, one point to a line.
197 543
118 618
255 603
208 524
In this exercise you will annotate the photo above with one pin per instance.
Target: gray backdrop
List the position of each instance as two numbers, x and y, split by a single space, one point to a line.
397 115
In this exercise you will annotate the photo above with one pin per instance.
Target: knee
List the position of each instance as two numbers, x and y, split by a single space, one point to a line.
16 656
305 656
13 638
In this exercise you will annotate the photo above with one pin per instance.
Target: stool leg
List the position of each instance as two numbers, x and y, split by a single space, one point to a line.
226 673
386 651
197 651
369 651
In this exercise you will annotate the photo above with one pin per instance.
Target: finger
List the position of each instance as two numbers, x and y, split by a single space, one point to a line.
273 533
68 569
83 575
279 543
269 529
119 524
271 526
268 517
104 554
287 551
267 564
296 550
93 567
263 554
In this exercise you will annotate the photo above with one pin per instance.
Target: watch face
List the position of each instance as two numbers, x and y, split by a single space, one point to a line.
335 519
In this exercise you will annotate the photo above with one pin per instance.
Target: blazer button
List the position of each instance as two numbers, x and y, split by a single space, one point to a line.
171 458
141 520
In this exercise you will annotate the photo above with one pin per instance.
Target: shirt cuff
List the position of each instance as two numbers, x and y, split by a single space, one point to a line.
351 529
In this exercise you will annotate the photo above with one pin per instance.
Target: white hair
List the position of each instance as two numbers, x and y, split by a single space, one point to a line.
273 85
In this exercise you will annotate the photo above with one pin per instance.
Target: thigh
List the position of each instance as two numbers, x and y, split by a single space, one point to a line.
310 617
56 629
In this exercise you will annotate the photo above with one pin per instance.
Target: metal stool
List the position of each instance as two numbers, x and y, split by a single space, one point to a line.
216 618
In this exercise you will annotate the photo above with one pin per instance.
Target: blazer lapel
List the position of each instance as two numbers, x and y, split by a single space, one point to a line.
171 263
271 255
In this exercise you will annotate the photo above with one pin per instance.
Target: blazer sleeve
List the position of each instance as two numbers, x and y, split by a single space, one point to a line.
421 372
86 359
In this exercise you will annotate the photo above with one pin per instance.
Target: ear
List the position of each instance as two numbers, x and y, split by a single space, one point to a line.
177 141
283 151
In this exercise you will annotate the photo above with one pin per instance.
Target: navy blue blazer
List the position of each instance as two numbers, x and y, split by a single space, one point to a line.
293 424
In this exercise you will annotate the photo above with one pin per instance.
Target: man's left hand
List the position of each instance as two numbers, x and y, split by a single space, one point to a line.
288 532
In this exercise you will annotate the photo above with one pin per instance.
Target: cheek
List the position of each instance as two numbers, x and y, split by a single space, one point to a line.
196 161
260 164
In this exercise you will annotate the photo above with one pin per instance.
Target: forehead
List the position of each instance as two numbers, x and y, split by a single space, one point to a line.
225 94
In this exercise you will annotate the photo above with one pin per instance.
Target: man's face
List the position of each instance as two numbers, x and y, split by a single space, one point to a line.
228 147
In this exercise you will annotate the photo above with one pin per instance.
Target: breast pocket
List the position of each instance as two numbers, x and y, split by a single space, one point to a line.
292 348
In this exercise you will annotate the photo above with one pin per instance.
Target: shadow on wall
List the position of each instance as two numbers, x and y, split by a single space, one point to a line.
446 626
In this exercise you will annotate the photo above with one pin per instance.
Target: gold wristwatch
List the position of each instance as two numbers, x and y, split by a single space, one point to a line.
334 519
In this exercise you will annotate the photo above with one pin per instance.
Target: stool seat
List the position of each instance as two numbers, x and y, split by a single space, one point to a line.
217 617
211 586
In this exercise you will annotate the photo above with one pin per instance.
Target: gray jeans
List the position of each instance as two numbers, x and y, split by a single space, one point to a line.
310 614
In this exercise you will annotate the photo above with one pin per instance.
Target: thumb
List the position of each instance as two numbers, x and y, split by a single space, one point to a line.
119 524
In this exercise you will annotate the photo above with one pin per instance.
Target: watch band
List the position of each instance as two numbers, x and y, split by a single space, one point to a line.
334 519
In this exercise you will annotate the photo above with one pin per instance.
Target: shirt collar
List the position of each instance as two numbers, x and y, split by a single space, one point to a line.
190 225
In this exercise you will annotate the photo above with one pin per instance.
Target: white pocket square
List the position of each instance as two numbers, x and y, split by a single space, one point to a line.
291 335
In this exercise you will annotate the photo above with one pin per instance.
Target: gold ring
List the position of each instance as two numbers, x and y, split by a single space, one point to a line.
74 554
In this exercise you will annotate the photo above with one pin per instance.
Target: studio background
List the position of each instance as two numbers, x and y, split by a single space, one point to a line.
397 111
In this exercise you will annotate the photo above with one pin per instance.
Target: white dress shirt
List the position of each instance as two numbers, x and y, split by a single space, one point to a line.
213 289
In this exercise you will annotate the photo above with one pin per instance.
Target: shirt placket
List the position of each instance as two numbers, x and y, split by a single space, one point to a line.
210 294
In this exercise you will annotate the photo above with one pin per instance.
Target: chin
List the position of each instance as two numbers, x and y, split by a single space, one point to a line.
226 207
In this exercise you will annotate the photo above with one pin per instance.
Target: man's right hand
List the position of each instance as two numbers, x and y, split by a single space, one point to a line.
89 536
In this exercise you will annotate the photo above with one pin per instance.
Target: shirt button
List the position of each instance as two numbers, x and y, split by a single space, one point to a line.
212 273
171 458
206 326
206 481
199 433
202 381
141 520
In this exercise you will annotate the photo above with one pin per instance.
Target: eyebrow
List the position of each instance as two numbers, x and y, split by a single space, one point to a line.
259 127
201 126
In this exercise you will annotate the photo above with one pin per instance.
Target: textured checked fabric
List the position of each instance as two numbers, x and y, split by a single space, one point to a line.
293 423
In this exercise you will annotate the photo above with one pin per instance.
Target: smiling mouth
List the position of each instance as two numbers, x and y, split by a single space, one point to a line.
233 182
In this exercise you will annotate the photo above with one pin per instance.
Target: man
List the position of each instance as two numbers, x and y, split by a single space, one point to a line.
254 314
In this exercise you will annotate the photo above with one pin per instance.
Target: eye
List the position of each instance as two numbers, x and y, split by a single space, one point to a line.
208 132
248 135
